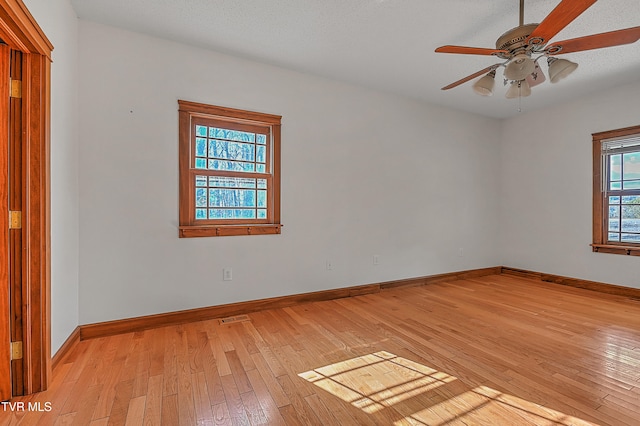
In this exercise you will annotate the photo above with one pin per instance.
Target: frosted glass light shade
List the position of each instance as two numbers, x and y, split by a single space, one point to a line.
484 86
560 68
536 77
518 89
519 67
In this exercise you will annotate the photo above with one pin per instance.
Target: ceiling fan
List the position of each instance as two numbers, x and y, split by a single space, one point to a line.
518 47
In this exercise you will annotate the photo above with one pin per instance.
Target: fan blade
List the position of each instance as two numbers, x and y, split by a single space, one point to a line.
471 77
560 17
470 50
595 41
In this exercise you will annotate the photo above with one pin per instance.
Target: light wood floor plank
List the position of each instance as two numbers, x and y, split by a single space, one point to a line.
269 378
234 401
120 407
221 415
265 398
186 400
253 409
153 403
135 413
170 415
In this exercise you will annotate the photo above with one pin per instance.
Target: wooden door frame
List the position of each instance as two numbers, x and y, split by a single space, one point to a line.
5 283
20 31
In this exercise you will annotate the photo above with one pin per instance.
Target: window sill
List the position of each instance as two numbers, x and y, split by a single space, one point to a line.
194 231
616 249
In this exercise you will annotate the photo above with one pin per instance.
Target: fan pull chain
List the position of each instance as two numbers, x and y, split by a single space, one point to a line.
519 99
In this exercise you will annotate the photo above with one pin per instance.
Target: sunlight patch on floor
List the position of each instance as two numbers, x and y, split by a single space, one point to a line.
375 381
417 394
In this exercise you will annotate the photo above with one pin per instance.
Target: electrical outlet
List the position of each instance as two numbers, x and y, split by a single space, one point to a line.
227 274
376 259
329 265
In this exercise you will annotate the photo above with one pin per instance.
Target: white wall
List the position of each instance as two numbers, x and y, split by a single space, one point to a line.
364 173
60 24
546 193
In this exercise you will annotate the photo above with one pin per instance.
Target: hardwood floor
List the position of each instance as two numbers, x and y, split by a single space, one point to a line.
493 350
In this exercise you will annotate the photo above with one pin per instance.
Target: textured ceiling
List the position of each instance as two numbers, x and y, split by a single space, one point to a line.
384 44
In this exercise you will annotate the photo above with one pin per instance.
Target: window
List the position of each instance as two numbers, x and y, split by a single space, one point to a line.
616 191
229 171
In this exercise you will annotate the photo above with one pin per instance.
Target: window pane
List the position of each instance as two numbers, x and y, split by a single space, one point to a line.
630 225
614 200
232 214
201 163
261 155
262 214
614 167
235 166
631 166
232 198
201 197
201 181
262 183
216 214
231 182
201 147
631 212
201 214
631 184
630 238
235 135
262 139
615 186
614 222
201 131
245 214
632 199
262 198
260 168
231 150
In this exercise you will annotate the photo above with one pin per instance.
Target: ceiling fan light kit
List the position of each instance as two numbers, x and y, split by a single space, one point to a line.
536 77
484 86
521 47
519 67
560 68
518 89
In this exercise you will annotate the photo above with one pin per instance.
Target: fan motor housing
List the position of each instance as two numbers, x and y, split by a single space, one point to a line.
515 38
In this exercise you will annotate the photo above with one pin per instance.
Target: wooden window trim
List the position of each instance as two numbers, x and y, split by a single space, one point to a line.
190 112
600 243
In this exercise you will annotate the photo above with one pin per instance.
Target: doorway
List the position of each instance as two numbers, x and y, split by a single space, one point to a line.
25 60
